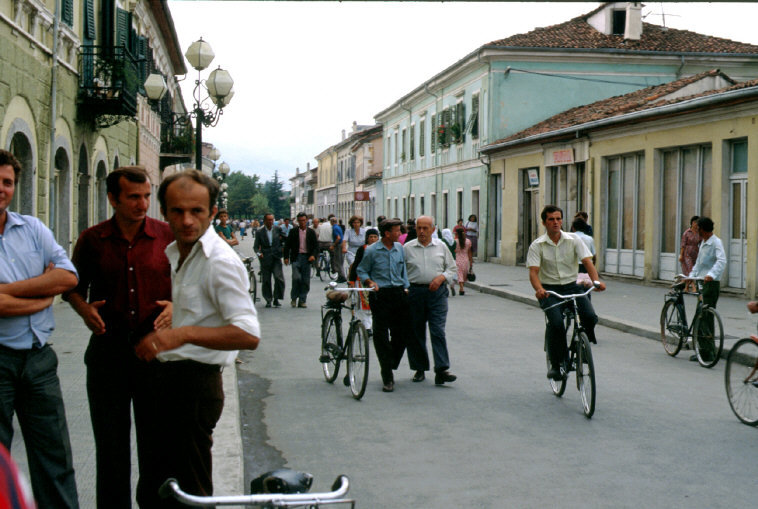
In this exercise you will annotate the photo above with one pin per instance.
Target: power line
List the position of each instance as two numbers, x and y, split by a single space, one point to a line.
595 80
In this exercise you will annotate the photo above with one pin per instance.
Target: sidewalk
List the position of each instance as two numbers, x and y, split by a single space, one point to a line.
626 306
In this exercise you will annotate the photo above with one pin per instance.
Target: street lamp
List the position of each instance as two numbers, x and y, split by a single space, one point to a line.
223 171
218 86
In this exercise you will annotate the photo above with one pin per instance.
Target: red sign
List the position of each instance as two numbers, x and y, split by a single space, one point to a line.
563 156
362 196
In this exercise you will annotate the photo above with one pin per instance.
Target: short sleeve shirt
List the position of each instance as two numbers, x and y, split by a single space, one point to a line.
558 263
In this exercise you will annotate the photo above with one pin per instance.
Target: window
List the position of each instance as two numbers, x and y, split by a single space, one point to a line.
413 141
619 22
459 122
67 12
89 19
472 125
421 137
739 156
626 202
445 209
421 204
397 148
459 202
402 146
433 206
412 207
433 144
567 189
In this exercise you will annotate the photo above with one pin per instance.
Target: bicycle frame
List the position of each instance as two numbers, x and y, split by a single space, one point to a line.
677 296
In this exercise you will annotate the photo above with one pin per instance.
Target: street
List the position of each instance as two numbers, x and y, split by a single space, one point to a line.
662 434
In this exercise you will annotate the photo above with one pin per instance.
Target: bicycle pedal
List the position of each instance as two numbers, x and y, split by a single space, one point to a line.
324 358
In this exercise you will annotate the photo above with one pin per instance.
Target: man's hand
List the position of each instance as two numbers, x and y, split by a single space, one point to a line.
311 259
436 283
163 321
157 342
540 294
708 279
600 286
89 311
372 284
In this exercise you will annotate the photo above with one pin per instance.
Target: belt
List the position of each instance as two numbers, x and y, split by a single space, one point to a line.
420 285
191 365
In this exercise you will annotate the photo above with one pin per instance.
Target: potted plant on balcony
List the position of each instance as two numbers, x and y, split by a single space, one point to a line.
455 131
442 136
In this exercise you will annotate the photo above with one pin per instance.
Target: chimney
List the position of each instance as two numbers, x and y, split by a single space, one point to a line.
297 171
307 166
633 27
343 135
355 126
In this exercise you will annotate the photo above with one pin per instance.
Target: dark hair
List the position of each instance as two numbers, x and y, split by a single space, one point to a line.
474 216
370 231
411 222
222 211
549 209
8 159
198 177
387 225
705 223
461 234
300 214
694 218
268 214
355 218
136 174
581 214
579 225
380 219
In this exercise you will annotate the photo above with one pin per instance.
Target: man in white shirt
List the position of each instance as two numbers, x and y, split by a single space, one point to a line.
431 269
213 317
553 262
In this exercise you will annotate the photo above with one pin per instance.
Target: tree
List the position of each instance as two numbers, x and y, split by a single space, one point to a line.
259 205
276 197
242 189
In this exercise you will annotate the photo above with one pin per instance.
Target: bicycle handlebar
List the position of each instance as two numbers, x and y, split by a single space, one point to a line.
566 297
333 286
341 485
687 278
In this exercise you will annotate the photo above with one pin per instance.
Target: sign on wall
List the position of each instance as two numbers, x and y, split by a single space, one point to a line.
362 196
565 156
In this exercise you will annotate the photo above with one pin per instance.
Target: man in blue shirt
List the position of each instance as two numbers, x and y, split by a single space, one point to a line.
383 269
338 257
33 270
710 264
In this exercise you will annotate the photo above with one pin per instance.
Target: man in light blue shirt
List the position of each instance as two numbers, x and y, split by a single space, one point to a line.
710 264
383 269
33 270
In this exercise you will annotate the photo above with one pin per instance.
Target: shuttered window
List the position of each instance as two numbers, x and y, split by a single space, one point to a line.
421 138
472 126
89 20
122 27
433 143
67 12
413 142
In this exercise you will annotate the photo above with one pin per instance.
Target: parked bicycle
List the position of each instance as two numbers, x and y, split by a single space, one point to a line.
741 378
333 349
580 353
248 262
287 493
706 331
324 266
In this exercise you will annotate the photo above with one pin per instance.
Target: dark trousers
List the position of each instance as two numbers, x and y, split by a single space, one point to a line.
427 307
117 381
555 331
389 312
338 262
710 296
301 278
190 398
272 266
29 386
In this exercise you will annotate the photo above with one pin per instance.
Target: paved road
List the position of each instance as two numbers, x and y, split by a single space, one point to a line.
662 435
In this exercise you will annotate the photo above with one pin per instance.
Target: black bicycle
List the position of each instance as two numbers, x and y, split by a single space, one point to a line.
741 379
706 331
333 349
324 266
248 262
580 354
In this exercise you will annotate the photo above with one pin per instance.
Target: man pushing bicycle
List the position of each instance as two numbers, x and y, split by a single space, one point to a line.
553 262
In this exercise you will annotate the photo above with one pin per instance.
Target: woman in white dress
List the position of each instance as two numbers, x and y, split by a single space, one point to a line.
354 238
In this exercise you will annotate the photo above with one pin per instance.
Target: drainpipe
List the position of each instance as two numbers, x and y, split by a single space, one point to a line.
487 163
53 107
679 71
410 178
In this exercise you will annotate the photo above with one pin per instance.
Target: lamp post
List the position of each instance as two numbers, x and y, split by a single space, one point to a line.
218 86
223 171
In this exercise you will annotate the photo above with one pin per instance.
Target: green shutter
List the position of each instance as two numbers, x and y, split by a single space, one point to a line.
433 144
421 138
67 12
89 20
461 121
474 116
413 142
122 27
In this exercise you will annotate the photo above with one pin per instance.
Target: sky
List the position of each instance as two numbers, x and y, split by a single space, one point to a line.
304 71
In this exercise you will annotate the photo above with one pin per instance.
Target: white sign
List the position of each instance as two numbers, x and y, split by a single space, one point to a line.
534 177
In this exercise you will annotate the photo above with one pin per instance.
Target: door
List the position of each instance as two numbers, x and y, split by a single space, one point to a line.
737 228
529 222
494 215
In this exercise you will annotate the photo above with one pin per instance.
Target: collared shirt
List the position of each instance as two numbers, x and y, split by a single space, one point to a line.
210 289
269 235
386 267
285 229
711 259
27 247
588 241
558 263
424 263
325 232
336 233
303 246
128 276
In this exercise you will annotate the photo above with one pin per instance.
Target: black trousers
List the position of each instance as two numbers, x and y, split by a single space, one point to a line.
272 266
190 399
390 315
117 382
555 331
29 386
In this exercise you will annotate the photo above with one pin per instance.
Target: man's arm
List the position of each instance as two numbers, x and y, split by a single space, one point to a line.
228 337
720 264
364 270
534 279
48 284
592 272
14 306
88 311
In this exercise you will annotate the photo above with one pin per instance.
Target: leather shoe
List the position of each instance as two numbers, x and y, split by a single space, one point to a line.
419 376
555 374
268 303
693 358
444 376
302 305
277 304
388 387
346 381
293 303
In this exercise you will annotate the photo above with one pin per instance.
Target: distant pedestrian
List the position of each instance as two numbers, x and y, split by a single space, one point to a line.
224 229
579 228
338 258
302 249
354 238
688 251
268 247
449 241
464 259
586 217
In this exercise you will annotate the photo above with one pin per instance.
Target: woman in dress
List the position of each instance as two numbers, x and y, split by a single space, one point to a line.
688 252
463 259
472 232
354 238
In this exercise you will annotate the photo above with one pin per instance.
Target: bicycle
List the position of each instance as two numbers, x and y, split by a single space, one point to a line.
248 262
355 350
707 340
324 266
286 495
580 354
741 379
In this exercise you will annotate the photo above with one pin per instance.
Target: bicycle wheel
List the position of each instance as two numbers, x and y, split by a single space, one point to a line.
253 283
558 386
331 345
585 375
708 337
672 328
357 359
741 380
323 270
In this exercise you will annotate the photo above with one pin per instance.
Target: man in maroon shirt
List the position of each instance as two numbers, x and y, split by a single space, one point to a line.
123 294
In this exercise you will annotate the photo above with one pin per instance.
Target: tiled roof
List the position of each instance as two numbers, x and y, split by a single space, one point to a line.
644 99
578 34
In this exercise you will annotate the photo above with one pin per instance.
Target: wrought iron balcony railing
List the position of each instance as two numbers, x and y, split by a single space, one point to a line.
109 80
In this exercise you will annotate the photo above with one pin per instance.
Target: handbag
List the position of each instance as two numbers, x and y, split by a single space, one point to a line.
471 276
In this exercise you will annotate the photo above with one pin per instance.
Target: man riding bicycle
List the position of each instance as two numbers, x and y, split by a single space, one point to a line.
553 262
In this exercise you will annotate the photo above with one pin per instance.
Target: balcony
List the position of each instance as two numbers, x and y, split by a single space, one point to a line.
177 138
108 84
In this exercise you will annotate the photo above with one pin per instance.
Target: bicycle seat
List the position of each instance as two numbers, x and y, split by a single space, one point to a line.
335 297
282 480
